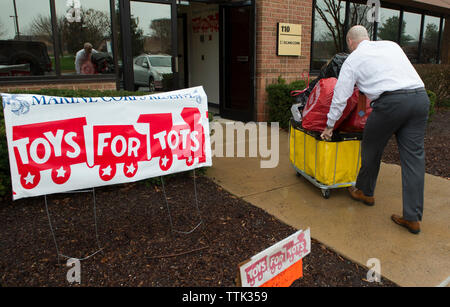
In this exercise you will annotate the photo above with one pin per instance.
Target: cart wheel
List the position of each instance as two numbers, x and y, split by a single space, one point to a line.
326 193
299 175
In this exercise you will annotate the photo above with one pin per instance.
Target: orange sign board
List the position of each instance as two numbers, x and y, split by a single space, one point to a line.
278 265
287 277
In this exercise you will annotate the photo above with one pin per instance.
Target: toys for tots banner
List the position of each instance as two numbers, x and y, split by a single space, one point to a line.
59 144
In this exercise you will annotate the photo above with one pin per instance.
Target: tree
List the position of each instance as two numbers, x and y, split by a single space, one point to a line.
137 37
94 27
161 31
358 16
430 44
2 29
389 31
41 26
332 13
431 34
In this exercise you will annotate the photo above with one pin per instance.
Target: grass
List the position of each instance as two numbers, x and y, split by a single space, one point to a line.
67 63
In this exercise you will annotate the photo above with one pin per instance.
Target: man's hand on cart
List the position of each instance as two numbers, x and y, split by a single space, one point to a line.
327 134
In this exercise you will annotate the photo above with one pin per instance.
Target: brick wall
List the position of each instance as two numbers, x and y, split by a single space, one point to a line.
76 85
269 66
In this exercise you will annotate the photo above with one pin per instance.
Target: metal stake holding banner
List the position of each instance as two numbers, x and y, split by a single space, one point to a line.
170 215
95 222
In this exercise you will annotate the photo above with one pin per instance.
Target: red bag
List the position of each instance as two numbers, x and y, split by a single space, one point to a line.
87 68
318 105
358 118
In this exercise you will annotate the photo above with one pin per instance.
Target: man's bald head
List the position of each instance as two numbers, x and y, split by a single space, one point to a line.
87 47
356 35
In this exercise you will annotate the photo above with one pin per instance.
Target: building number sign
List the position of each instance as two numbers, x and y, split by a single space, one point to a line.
289 39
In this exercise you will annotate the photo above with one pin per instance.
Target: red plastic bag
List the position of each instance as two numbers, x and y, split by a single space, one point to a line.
358 118
318 105
87 68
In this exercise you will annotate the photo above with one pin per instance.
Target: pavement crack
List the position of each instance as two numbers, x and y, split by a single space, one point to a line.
270 190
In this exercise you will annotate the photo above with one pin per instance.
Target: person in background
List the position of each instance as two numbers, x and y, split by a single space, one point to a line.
83 64
400 104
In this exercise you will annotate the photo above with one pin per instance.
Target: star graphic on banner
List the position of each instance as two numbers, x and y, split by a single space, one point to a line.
29 178
190 159
61 172
164 161
107 171
131 168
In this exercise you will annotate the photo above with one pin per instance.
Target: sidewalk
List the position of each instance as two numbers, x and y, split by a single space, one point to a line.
350 228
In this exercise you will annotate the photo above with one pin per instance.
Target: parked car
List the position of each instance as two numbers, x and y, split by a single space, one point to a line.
34 53
149 70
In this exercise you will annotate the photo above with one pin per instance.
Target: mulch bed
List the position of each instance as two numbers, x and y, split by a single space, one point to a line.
437 144
138 247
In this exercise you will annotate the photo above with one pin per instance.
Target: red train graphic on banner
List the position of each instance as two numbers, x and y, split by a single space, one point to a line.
59 145
54 146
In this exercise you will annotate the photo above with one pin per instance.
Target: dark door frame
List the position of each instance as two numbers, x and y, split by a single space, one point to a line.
127 53
183 18
250 114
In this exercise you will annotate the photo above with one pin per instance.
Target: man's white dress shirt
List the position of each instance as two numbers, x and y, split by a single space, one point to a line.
80 58
374 67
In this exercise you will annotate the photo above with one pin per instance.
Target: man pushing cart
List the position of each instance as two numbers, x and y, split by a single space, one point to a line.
400 104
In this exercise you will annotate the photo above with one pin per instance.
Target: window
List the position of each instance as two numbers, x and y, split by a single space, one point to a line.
151 28
329 19
26 38
358 16
161 61
388 28
139 61
410 35
80 22
330 25
429 52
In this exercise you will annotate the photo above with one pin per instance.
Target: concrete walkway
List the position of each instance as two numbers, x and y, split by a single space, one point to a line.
350 228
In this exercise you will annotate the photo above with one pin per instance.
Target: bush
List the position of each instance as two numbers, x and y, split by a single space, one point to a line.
280 100
432 110
437 79
5 176
168 82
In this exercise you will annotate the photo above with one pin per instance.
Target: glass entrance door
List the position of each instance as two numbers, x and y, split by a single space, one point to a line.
150 49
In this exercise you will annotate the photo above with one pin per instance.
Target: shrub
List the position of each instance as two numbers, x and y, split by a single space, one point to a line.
432 110
168 82
437 79
280 100
5 176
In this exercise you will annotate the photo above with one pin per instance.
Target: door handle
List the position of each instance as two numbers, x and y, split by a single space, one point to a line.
242 58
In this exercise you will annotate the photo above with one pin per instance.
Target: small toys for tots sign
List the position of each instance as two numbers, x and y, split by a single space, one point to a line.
59 144
280 264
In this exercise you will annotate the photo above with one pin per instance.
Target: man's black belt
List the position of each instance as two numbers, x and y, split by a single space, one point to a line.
413 91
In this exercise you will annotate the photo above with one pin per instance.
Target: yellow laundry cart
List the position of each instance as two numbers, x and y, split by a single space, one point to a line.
326 164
